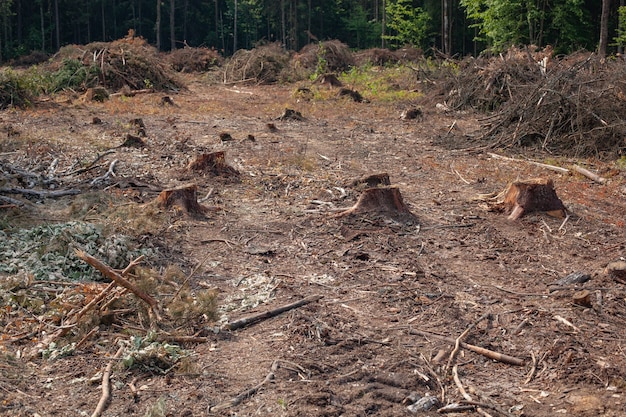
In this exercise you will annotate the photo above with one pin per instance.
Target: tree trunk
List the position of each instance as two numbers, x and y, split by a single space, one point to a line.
620 48
384 24
158 25
43 33
235 29
104 36
283 31
57 24
604 28
172 25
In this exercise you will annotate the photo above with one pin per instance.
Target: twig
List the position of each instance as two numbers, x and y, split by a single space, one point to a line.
533 369
119 280
589 174
106 384
188 278
246 321
459 385
566 322
109 173
500 357
248 393
457 342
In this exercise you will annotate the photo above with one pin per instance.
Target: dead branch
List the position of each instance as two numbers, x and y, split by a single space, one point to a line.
110 173
246 394
246 321
457 381
589 174
119 280
539 164
496 356
106 384
457 342
40 193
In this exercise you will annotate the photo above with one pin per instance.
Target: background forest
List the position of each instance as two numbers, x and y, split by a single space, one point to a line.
454 27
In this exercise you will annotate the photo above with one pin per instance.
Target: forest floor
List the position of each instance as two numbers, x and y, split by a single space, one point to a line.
389 290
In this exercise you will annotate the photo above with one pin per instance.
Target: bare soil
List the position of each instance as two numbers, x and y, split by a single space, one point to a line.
272 237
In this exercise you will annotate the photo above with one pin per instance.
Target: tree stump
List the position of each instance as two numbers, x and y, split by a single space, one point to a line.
372 181
536 194
183 198
353 94
290 114
213 163
330 79
381 201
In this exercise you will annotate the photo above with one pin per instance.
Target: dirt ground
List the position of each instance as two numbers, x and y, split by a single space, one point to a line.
389 289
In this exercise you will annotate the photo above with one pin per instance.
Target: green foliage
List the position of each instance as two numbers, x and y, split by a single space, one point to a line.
365 31
409 23
620 39
391 84
148 355
569 22
47 251
75 76
15 90
505 23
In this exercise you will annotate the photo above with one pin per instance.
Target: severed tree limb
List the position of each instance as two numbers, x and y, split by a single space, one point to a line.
108 272
589 174
106 385
539 164
246 321
40 193
500 357
248 393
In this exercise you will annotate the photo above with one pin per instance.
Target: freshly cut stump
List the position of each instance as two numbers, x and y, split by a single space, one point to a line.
213 163
536 194
182 198
381 201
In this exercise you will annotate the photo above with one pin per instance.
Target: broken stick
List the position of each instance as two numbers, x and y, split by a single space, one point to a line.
106 385
500 357
589 174
246 321
108 272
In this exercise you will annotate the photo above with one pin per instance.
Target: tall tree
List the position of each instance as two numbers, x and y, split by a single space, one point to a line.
172 25
604 28
157 26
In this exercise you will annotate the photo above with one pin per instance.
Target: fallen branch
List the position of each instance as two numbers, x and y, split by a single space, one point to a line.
539 164
457 381
248 393
500 357
106 384
40 193
457 342
246 321
109 173
589 174
108 272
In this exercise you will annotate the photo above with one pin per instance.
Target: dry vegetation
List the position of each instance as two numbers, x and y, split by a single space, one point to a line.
350 261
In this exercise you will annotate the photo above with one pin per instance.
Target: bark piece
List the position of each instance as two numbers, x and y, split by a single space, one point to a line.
382 201
537 194
213 163
183 198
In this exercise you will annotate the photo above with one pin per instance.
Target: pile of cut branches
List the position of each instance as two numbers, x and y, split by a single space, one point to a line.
129 62
574 106
194 59
264 64
331 56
